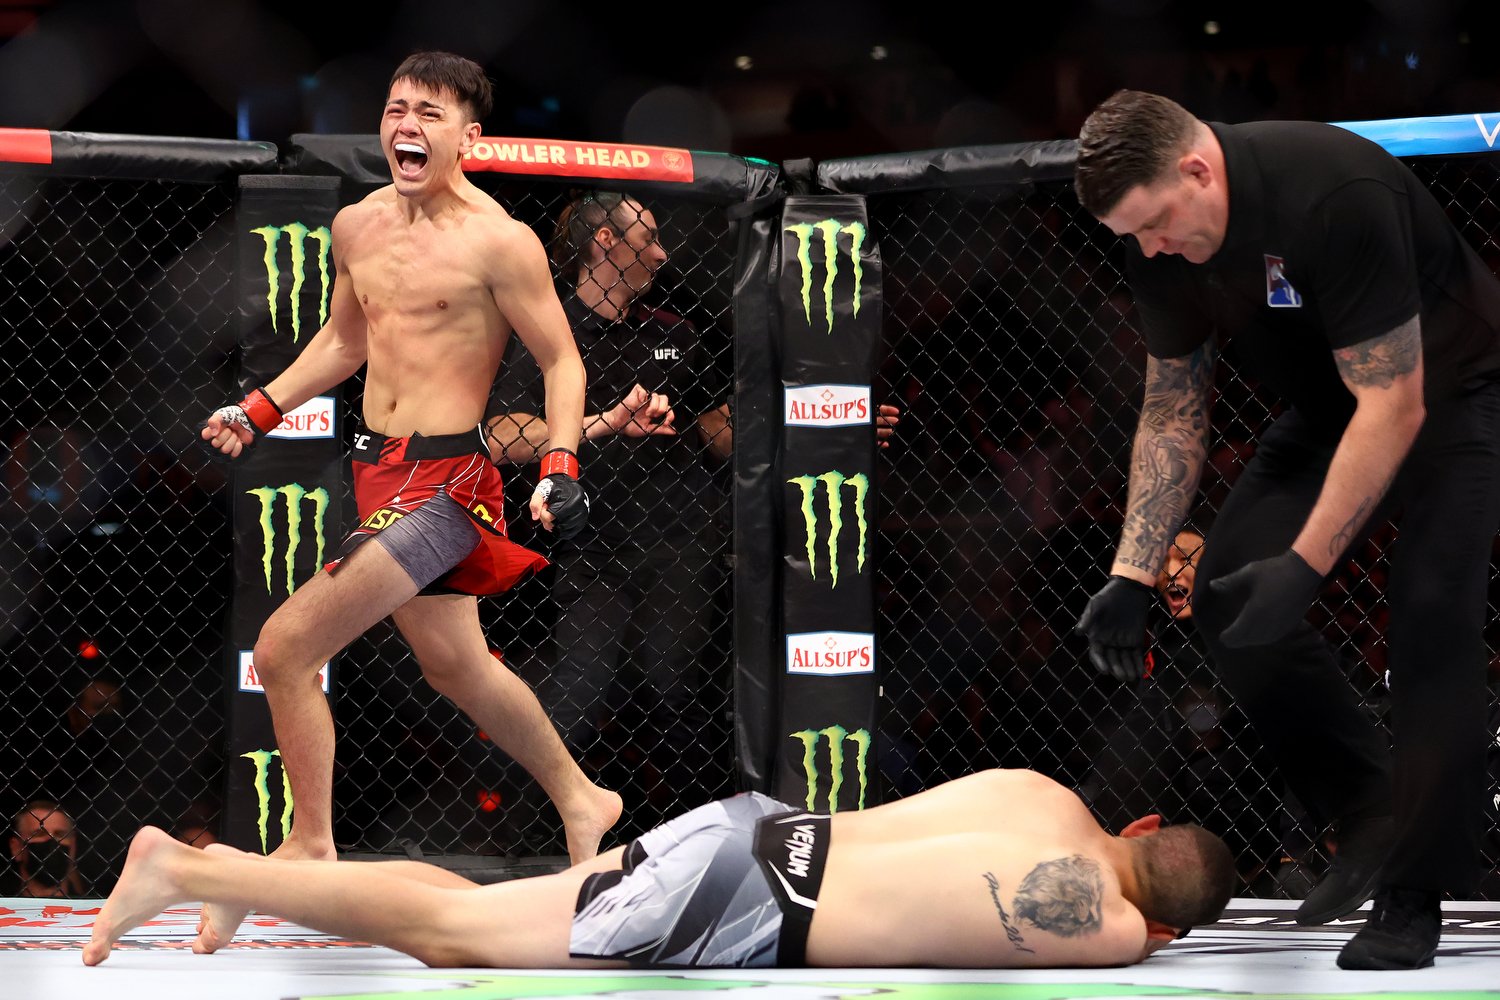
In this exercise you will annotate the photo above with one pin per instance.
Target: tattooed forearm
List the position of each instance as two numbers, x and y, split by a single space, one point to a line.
1167 459
1341 539
1012 932
1345 535
1379 362
1064 896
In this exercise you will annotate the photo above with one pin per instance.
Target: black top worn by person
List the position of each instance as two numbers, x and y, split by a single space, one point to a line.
639 581
648 491
1330 242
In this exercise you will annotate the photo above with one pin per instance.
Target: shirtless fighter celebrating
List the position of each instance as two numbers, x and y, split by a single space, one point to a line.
432 277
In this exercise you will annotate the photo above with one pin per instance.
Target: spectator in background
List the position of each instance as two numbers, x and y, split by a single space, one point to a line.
1179 748
639 583
44 848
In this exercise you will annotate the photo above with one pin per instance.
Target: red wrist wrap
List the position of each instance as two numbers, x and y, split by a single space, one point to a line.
560 460
262 411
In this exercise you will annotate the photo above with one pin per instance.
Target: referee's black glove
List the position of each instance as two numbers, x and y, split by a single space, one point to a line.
1115 624
1272 596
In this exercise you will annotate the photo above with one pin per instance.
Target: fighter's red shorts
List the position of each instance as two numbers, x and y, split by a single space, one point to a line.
395 476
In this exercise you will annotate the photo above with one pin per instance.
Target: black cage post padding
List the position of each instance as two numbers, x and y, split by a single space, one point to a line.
288 490
829 298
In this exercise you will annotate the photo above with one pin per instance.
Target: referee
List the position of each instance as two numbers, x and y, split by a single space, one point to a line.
1327 270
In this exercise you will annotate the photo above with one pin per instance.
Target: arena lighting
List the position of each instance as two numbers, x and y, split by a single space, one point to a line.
879 52
743 62
1210 27
88 650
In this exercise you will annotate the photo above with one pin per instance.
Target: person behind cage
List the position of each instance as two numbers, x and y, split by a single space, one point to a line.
639 582
995 869
44 848
1336 278
1179 746
432 277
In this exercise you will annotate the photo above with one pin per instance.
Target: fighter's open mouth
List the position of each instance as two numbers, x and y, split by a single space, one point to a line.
410 157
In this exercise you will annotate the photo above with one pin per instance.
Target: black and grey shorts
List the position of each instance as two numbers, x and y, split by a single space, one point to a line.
692 892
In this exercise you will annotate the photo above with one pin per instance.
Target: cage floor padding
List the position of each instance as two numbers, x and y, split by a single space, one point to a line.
1255 951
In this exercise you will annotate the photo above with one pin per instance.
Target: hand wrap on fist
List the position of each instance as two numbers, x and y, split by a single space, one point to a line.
560 490
232 429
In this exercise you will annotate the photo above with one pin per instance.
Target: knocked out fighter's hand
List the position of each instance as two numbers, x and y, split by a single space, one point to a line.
1272 596
230 430
559 502
641 414
1115 624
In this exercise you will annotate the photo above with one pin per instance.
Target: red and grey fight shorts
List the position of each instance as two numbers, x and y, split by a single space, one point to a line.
435 504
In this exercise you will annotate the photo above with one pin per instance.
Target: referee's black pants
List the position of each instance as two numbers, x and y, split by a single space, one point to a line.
1332 753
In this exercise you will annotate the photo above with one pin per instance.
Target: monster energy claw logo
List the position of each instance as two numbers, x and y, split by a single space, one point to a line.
297 236
835 483
262 761
836 737
295 494
829 230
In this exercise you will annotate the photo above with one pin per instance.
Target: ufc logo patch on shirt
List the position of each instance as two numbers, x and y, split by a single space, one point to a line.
1279 292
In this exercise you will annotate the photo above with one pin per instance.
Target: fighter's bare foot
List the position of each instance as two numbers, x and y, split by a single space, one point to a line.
220 922
146 887
586 826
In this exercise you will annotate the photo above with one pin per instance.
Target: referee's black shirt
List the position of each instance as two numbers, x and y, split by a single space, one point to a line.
1331 241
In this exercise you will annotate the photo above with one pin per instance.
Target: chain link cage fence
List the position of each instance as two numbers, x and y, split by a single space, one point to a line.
1010 343
1010 347
116 303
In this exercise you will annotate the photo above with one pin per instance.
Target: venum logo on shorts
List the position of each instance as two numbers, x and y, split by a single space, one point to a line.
296 496
261 759
297 236
834 738
825 235
834 484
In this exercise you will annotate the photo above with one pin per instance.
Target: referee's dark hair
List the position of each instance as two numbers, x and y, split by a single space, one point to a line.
1130 139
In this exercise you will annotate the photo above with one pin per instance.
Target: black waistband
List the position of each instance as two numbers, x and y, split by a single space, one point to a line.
792 849
373 448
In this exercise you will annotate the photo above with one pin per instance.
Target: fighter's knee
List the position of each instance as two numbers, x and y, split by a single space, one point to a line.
276 660
447 676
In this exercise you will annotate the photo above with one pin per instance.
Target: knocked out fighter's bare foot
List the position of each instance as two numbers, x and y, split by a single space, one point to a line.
586 824
219 922
146 887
